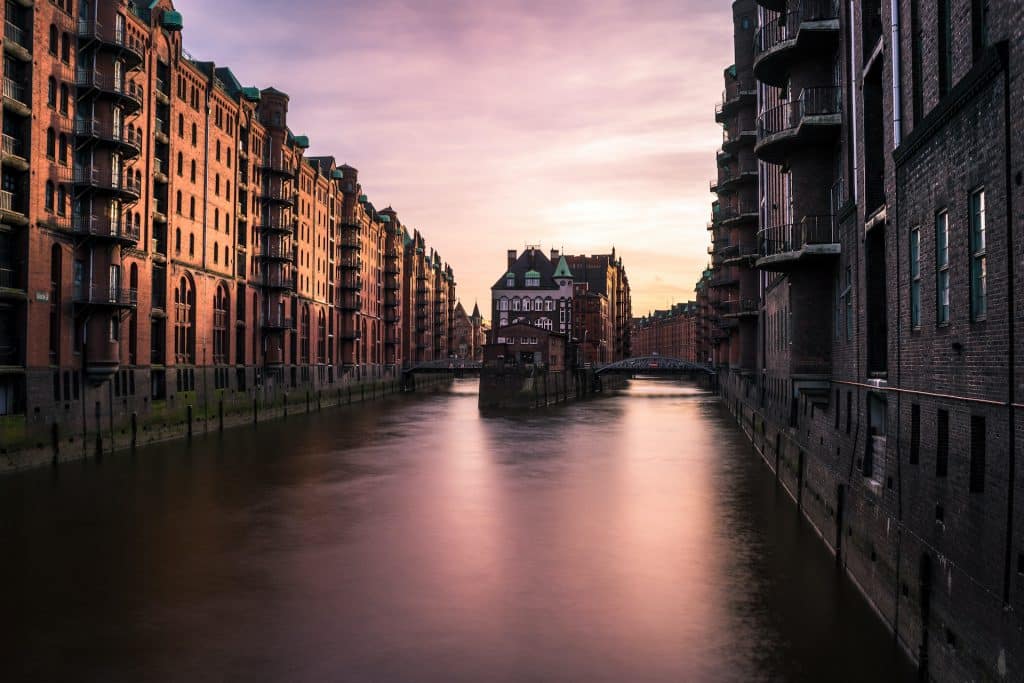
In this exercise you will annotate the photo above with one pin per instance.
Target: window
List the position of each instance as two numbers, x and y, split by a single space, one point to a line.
49 195
181 126
915 278
177 202
510 282
942 444
916 50
51 143
979 274
503 304
533 280
218 145
192 173
979 27
54 39
62 150
220 326
945 47
177 236
181 165
65 48
516 305
62 200
192 208
195 135
191 245
915 433
977 484
942 268
51 92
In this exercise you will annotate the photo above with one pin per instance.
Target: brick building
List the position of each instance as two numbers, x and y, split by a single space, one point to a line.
671 332
871 338
163 230
467 333
587 298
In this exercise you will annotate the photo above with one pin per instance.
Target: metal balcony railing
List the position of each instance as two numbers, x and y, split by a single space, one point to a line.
104 226
10 202
817 101
15 91
786 25
95 178
276 321
12 146
14 33
793 237
105 295
8 277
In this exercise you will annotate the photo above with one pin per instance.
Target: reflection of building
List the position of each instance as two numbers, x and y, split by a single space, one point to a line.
525 345
671 332
467 333
863 306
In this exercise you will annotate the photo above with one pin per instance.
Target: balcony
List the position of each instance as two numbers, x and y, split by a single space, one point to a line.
100 296
270 251
733 141
12 209
785 247
351 283
739 308
10 283
105 228
734 99
16 97
278 195
130 146
813 119
14 153
276 321
391 267
276 280
804 29
277 166
159 173
126 188
16 42
351 302
351 263
723 281
128 94
742 211
117 41
735 253
160 132
391 284
162 93
352 243
276 223
731 177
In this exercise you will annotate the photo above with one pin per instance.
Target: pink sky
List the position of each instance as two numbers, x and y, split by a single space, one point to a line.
489 125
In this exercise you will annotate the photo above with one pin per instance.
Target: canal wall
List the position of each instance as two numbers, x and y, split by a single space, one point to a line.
939 612
191 413
522 389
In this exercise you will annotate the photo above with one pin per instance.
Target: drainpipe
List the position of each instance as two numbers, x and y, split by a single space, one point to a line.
853 102
897 92
1011 369
206 170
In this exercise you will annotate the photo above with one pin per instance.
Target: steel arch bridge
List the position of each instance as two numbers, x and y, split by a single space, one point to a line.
655 365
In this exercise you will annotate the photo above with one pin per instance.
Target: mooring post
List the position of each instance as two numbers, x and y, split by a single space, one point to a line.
220 414
189 411
135 429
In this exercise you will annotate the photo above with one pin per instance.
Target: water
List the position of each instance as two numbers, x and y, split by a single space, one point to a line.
635 538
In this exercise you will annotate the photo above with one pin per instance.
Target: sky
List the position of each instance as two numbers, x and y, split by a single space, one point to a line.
490 125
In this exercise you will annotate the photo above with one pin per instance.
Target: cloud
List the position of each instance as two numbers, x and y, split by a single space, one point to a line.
586 123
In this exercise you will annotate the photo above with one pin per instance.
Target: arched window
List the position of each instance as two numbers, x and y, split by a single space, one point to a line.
62 200
516 304
503 304
216 219
227 223
220 326
65 48
218 150
51 143
64 98
184 322
192 174
191 244
195 135
51 92
181 165
216 253
62 151
181 126
216 184
192 208
177 239
527 304
54 39
177 203
50 195
227 190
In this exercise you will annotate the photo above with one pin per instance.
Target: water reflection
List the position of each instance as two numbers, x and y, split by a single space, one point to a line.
628 538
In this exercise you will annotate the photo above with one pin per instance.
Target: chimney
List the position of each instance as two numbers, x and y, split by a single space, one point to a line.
554 255
511 258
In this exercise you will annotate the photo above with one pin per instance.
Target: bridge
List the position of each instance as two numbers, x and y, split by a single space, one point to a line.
454 366
655 365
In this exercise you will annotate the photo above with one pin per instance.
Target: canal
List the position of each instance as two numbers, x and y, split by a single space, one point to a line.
632 538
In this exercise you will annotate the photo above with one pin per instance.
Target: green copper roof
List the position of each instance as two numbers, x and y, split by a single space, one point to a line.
532 274
302 141
731 71
251 94
563 269
363 199
337 174
171 21
384 218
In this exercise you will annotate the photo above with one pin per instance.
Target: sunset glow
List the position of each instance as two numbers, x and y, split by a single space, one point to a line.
575 124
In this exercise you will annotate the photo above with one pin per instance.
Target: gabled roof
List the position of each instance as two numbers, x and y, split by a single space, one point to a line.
531 260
